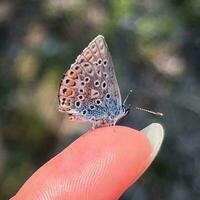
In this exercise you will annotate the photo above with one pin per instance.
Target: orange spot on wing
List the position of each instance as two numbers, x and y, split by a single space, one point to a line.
71 83
64 108
68 92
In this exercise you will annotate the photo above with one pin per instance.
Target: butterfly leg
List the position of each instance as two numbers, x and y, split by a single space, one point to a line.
93 125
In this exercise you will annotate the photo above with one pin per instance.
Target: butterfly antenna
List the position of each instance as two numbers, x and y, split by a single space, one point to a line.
149 111
130 91
129 107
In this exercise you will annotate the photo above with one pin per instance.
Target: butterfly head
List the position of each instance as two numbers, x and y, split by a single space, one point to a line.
124 111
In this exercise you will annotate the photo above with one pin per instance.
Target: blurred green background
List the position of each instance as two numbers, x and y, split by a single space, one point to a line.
155 45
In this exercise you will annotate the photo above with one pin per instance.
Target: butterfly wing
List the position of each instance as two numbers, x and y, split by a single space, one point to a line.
98 55
90 84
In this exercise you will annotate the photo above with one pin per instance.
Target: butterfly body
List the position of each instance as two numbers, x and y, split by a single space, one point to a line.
89 90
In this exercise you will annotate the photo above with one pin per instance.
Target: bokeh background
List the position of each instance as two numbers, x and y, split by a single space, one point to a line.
155 45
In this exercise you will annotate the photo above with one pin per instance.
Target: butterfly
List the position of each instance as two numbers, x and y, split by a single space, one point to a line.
89 90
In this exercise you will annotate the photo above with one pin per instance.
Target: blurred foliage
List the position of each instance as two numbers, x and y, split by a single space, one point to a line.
155 45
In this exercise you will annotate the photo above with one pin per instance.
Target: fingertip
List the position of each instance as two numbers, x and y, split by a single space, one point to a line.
101 164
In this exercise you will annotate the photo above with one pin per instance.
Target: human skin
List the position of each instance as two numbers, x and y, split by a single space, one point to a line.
99 165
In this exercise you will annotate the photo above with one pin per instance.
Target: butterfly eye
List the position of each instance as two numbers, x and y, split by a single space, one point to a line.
78 104
103 85
84 112
98 102
96 83
92 107
107 96
105 62
87 79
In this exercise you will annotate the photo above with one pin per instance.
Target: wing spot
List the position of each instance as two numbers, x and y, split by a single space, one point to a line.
105 62
81 91
98 102
94 94
88 68
88 55
64 90
82 83
63 101
97 83
99 61
68 92
89 71
107 96
105 75
84 112
99 72
72 74
104 85
81 97
86 64
78 104
87 79
87 52
92 107
82 60
77 67
71 83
